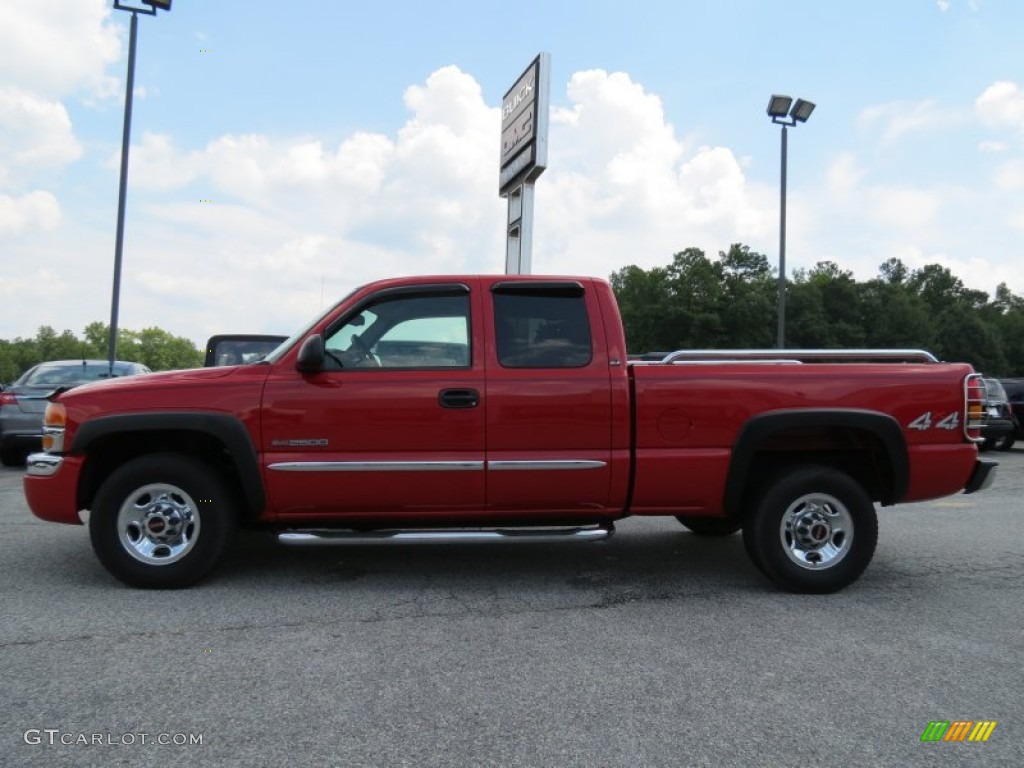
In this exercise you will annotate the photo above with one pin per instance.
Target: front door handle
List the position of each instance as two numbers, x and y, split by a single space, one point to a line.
458 398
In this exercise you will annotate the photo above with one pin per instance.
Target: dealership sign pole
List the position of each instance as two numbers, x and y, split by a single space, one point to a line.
524 156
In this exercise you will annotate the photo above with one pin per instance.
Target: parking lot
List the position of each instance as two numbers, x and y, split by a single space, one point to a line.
657 648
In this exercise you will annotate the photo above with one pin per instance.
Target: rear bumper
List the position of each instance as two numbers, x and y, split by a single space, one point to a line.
21 441
996 428
51 487
982 477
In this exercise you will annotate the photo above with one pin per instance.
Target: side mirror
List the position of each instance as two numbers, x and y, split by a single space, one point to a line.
311 355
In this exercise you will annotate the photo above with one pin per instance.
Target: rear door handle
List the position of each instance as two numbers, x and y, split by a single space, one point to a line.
458 398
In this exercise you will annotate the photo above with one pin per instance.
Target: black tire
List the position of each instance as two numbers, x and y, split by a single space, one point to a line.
10 457
1006 443
710 526
813 530
162 521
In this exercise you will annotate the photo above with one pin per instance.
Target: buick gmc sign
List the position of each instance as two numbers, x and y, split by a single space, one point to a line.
524 126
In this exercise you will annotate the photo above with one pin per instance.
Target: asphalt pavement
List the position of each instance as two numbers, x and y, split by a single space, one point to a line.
656 648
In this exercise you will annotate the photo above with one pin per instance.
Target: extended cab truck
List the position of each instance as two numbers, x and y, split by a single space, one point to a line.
503 408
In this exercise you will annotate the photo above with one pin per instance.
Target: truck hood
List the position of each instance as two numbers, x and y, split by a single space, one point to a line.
166 379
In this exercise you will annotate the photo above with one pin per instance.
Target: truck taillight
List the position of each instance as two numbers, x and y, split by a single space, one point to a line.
54 420
974 406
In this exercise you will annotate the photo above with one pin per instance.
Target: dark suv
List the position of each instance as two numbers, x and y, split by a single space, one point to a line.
1000 427
1014 389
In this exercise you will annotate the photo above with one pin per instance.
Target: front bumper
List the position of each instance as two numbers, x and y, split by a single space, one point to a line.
51 487
42 464
982 477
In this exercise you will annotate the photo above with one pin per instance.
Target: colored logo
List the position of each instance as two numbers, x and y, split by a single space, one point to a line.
958 730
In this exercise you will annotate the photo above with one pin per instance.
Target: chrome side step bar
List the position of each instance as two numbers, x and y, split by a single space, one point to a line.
331 536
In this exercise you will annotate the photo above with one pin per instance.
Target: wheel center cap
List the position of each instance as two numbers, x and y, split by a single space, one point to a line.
163 523
819 532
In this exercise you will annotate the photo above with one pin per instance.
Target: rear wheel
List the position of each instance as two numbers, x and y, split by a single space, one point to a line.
1006 443
710 526
161 521
813 530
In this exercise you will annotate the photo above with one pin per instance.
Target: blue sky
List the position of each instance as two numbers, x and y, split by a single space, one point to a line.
286 152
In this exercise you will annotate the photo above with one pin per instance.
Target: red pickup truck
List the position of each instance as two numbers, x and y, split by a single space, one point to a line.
504 408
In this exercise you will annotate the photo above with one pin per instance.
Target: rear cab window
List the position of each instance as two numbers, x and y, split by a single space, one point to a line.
542 325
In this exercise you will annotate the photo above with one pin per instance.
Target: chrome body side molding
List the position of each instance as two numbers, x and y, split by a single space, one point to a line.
544 465
433 466
377 466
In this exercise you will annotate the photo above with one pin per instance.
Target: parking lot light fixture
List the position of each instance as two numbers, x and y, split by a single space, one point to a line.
778 106
802 110
782 110
149 8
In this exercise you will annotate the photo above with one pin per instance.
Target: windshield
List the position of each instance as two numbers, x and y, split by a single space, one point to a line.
285 345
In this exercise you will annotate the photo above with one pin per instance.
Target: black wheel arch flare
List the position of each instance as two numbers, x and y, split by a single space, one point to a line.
761 427
225 428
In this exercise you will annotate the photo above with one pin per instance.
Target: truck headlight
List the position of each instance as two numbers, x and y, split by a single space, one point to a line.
54 420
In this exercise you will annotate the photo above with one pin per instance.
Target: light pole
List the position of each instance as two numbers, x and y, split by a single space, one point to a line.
779 110
153 7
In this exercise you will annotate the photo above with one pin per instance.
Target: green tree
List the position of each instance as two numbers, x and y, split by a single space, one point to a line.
704 303
153 347
823 309
748 299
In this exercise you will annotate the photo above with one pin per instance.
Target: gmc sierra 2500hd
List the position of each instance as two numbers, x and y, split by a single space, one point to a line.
504 408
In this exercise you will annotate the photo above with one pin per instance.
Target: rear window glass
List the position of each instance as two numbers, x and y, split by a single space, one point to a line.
69 375
231 352
994 390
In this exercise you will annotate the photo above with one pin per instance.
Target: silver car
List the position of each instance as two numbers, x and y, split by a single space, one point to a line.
22 402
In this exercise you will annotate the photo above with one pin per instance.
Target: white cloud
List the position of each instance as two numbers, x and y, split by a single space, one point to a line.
34 133
906 208
1001 105
844 175
35 210
626 190
897 120
992 147
56 47
156 164
1010 176
291 215
298 217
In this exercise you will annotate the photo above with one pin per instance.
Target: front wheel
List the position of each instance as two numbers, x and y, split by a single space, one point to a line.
161 521
710 526
813 530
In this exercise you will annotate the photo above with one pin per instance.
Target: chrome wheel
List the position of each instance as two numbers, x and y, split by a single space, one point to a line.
816 531
158 524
